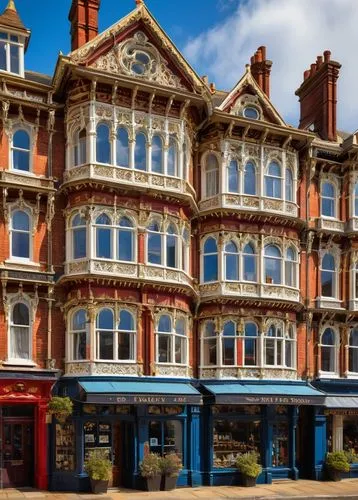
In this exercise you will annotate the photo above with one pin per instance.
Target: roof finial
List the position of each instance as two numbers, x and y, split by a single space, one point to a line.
139 2
11 5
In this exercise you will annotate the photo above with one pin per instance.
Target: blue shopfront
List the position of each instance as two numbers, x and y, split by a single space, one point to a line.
340 415
271 418
126 419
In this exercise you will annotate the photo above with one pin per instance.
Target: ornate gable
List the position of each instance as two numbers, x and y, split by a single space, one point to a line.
247 99
137 47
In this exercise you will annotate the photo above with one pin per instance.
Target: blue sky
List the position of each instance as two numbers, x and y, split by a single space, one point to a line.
218 37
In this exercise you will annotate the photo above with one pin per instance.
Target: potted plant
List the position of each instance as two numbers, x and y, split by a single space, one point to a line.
99 470
170 466
151 472
336 463
249 468
60 407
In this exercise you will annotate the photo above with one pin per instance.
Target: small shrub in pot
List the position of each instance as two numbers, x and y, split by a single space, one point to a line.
336 463
150 470
249 468
170 466
99 470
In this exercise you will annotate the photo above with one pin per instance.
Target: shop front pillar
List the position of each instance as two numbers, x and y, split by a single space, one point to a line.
292 443
267 438
320 445
41 473
337 443
194 444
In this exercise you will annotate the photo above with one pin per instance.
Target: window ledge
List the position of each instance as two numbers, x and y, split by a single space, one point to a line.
327 375
28 264
20 362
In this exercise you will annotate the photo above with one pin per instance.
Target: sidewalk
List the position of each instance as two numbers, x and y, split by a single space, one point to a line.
347 488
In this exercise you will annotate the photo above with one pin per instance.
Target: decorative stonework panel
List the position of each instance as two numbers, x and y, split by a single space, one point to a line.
248 373
172 371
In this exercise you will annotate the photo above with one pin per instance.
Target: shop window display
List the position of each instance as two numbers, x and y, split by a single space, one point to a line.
65 447
350 434
166 437
98 435
280 445
232 438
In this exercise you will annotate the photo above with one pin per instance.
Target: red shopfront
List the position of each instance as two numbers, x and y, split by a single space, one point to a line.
23 430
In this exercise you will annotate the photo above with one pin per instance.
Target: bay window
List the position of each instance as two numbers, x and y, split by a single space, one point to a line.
114 241
162 247
11 53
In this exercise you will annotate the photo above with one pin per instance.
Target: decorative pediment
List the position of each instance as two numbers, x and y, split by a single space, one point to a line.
247 99
138 47
138 57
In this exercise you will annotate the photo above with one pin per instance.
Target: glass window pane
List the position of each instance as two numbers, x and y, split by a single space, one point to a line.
172 158
229 351
232 437
210 246
171 251
20 314
173 437
327 359
210 352
21 245
157 154
20 221
250 352
289 354
328 189
105 319
180 326
270 352
20 342
180 344
21 160
105 345
280 440
233 177
210 268
79 243
124 346
126 322
154 248
249 268
14 59
165 323
79 320
327 284
122 147
272 270
125 245
21 140
79 345
328 207
140 152
164 348
3 56
289 185
103 147
250 179
232 267
104 243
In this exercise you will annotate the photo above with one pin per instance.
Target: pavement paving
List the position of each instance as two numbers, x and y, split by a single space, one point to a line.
302 489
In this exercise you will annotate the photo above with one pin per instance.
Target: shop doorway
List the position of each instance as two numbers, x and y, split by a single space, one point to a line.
17 451
305 442
123 454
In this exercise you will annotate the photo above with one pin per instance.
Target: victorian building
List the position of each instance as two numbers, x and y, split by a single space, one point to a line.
176 259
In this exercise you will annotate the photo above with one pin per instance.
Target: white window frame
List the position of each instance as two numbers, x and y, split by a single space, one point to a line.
163 240
114 229
29 213
29 130
335 347
335 185
16 299
21 45
205 173
116 332
218 253
72 332
172 336
335 273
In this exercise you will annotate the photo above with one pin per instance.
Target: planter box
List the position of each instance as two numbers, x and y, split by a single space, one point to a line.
334 475
247 481
153 483
168 483
98 486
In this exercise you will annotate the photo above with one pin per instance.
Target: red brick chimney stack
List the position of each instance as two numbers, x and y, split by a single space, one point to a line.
83 17
260 69
318 97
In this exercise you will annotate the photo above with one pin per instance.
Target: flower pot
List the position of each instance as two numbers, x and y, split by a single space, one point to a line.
334 474
247 481
153 483
168 482
99 486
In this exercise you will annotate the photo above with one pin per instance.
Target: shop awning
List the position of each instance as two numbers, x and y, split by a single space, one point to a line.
138 392
265 394
341 402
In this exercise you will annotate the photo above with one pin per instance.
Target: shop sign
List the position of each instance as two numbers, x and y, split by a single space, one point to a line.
341 412
144 399
269 400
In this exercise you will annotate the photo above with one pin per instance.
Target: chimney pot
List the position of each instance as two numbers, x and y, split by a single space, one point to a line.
259 57
263 52
313 69
319 61
83 17
306 74
327 55
252 60
212 87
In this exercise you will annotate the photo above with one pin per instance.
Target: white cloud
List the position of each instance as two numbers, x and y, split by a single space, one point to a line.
294 32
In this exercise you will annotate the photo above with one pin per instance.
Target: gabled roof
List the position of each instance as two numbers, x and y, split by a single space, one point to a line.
141 18
11 19
249 82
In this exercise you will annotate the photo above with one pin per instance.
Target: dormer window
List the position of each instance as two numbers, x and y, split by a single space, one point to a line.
251 113
11 53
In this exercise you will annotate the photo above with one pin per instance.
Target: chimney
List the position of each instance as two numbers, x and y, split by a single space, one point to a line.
318 97
83 17
260 69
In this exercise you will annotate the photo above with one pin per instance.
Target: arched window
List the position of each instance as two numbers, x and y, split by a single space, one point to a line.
231 261
79 237
125 246
20 235
122 148
273 181
289 185
103 145
79 335
250 178
210 260
172 168
21 151
356 200
105 334
328 276
80 155
209 344
157 154
20 332
211 176
126 336
289 347
233 177
291 268
140 152
353 351
328 195
229 344
249 263
104 236
172 246
328 351
164 339
274 346
273 262
250 345
154 244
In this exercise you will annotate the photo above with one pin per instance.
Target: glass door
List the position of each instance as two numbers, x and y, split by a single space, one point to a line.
17 452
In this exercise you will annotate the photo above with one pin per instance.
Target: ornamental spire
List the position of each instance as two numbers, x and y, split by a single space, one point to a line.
11 5
139 2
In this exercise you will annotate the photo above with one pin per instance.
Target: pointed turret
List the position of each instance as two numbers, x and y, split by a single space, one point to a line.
10 20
